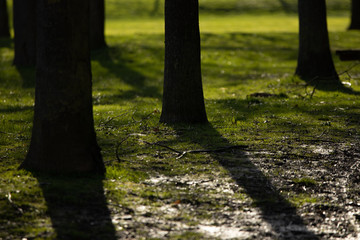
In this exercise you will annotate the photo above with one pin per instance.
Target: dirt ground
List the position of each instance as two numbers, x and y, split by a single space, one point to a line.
252 202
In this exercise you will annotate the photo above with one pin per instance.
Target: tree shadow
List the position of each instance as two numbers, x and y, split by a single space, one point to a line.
330 85
156 8
277 211
77 207
112 59
27 75
16 109
288 8
6 42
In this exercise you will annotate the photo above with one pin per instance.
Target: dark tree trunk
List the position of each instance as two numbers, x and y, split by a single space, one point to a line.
183 100
4 20
25 32
315 63
97 24
355 15
63 138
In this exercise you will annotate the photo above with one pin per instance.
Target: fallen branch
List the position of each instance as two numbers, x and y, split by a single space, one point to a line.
179 153
117 148
112 118
223 149
182 153
160 145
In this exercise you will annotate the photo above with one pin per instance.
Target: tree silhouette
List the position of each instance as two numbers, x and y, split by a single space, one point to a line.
63 136
4 20
97 24
183 100
315 63
355 15
25 32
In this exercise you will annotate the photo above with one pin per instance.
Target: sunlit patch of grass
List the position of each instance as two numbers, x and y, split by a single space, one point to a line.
301 199
244 23
307 182
116 172
155 8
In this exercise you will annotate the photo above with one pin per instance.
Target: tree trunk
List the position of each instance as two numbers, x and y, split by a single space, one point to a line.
97 24
63 137
4 20
315 63
183 100
355 15
25 32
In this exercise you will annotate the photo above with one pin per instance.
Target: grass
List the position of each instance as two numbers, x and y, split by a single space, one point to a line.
154 8
241 55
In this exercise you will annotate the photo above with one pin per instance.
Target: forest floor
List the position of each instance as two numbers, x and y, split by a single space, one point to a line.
278 160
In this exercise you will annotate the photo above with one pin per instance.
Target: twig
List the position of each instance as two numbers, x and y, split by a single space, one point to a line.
313 92
322 134
314 89
355 165
139 121
160 145
110 119
351 67
14 204
182 153
117 148
223 149
212 150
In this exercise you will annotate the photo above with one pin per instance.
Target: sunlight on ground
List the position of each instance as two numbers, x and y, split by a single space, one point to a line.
215 24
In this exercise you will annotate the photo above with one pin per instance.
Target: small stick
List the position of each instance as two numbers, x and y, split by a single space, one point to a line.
160 145
117 148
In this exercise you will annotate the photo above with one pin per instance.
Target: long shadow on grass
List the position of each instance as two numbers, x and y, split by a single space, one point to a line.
77 207
336 87
16 109
288 8
6 42
111 58
27 75
277 211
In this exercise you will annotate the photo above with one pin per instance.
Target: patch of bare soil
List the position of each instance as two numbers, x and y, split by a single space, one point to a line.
310 191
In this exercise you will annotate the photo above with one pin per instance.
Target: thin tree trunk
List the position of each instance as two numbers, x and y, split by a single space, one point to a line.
4 20
315 63
355 15
25 32
63 137
183 100
97 24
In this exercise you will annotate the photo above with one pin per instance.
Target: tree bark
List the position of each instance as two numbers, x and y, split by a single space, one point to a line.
97 24
25 32
183 100
315 63
4 19
355 15
63 136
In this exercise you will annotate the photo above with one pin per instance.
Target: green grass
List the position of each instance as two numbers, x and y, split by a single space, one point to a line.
241 55
154 8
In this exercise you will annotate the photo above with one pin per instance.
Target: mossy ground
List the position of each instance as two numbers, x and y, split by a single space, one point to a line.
294 175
